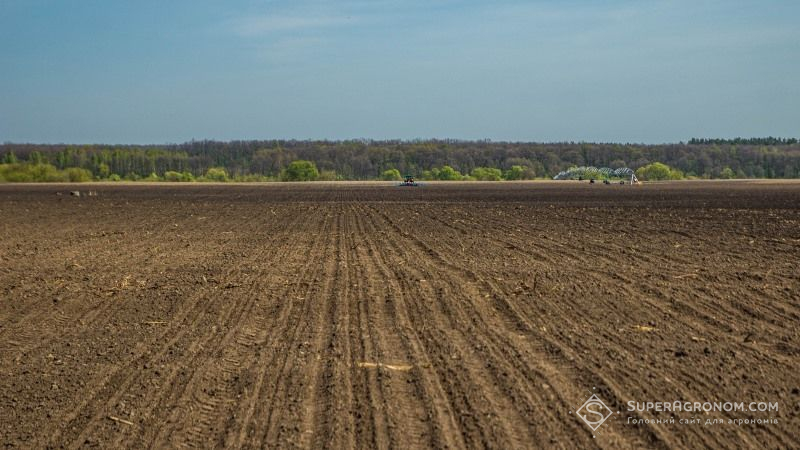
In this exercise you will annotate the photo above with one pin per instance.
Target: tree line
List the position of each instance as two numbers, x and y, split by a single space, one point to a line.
744 141
433 159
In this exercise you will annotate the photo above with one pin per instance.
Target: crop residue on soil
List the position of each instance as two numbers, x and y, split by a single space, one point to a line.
364 315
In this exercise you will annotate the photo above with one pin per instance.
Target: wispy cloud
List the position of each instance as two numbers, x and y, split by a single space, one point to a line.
266 24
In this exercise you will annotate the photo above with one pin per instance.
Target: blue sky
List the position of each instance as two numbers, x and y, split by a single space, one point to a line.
107 71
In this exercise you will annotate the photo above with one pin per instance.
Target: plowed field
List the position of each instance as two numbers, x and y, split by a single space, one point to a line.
373 316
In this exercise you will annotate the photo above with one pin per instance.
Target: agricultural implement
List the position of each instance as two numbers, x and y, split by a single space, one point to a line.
594 173
408 180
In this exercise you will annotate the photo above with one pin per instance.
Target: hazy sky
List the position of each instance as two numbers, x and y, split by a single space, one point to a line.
144 71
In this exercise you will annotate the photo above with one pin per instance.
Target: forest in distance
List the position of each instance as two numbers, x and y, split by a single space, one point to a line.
272 160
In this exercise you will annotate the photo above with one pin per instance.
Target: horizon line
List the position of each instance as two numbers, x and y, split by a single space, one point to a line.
396 140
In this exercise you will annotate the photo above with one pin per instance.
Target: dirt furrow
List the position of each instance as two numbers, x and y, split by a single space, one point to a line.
429 389
334 415
219 384
296 360
438 283
369 316
146 366
87 311
510 329
708 387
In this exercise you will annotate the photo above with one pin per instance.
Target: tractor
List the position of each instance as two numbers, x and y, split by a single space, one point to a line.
408 180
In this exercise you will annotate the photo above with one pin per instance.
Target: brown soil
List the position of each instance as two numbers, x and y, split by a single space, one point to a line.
374 316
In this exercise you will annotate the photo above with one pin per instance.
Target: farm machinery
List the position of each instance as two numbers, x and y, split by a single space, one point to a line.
408 180
595 173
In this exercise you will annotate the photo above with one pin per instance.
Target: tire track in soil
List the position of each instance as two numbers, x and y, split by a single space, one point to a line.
94 318
428 322
601 375
372 427
551 370
28 336
689 265
254 407
278 423
314 393
657 299
366 398
591 259
263 401
550 350
333 414
19 259
441 426
215 396
507 408
80 425
30 330
396 393
205 391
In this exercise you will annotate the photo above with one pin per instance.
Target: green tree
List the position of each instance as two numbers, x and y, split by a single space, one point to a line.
172 176
706 158
727 173
15 173
77 175
216 174
391 175
515 173
300 170
432 174
487 174
447 173
36 158
103 171
520 173
654 172
48 172
22 173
